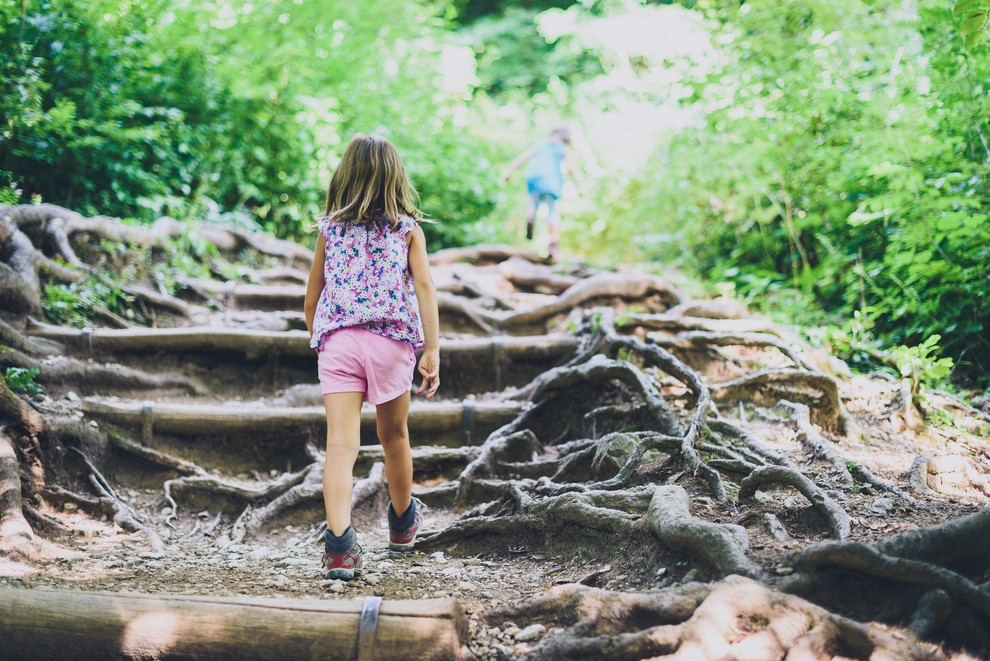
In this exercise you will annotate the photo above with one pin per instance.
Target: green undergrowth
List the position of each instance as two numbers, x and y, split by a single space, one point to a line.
167 268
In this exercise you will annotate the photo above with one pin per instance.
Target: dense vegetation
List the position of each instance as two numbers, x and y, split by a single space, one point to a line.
807 154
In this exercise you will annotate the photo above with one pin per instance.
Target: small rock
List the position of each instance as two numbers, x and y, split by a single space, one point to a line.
334 585
451 571
152 555
465 586
69 507
281 581
260 553
511 630
71 396
532 632
882 505
372 579
692 575
439 557
784 571
503 651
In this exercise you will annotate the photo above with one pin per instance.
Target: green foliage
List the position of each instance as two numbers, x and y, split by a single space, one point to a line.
22 380
202 109
920 365
852 167
973 17
79 303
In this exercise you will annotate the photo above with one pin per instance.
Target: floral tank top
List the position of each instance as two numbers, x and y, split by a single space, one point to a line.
368 281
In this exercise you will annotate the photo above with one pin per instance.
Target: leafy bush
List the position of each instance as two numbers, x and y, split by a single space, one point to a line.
919 364
22 380
78 304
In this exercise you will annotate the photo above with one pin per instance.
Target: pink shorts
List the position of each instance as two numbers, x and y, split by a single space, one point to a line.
357 360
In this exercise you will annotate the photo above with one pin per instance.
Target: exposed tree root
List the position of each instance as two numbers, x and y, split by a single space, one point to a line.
483 254
723 546
123 515
838 520
56 224
704 339
17 540
808 436
816 390
526 275
735 619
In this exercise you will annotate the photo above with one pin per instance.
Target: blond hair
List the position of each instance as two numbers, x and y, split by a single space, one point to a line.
370 183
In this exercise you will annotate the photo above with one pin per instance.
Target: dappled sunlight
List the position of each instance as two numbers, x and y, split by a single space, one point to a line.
150 635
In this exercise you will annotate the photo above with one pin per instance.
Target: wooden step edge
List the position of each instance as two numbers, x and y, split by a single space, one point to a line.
46 624
193 418
293 343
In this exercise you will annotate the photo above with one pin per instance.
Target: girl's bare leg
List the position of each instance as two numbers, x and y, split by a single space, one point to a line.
343 441
393 433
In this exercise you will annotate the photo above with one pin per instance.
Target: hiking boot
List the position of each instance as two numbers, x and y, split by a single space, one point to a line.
343 566
403 539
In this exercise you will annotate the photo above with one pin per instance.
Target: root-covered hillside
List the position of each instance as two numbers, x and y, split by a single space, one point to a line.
613 470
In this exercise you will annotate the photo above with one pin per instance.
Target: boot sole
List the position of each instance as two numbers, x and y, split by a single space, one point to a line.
342 574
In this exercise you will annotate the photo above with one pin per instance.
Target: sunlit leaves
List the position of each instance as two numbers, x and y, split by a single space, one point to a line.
974 18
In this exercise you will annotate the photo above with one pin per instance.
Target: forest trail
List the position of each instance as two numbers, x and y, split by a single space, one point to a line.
598 434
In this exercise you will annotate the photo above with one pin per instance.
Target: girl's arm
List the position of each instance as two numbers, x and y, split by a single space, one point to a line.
317 280
419 264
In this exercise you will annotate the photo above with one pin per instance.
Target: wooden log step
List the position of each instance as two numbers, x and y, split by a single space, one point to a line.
428 461
437 495
279 359
76 625
176 340
450 424
245 296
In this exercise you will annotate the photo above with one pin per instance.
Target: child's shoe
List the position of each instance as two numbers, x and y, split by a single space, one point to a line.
341 556
402 531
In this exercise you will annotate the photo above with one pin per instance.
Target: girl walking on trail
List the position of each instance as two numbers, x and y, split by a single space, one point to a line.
545 180
370 303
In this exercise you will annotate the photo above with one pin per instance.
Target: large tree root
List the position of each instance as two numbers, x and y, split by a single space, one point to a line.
55 225
88 377
927 578
17 540
483 254
735 619
603 288
838 520
723 546
816 390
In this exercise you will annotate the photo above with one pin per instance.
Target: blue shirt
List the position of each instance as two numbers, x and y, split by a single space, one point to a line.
544 174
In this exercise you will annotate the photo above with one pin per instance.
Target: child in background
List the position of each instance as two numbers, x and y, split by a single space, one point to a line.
370 303
545 180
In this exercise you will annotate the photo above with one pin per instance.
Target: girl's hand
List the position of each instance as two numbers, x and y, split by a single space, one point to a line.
429 367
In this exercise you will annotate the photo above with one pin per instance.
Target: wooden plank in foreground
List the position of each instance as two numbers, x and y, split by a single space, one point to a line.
53 624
